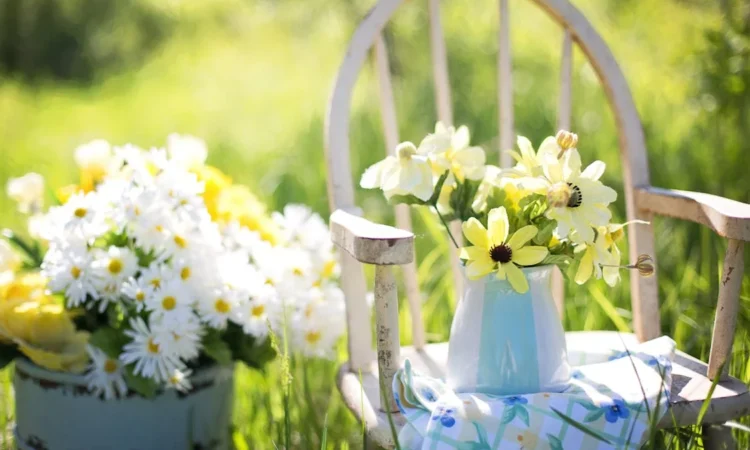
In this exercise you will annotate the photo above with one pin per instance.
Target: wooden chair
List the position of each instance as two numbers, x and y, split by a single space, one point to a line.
383 246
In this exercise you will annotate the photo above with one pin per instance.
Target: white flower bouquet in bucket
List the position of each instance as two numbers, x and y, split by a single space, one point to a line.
545 211
142 288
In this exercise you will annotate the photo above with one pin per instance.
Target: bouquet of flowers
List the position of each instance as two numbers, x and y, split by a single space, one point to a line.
156 265
547 209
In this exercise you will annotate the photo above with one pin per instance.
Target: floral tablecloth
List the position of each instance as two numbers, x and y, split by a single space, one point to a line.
608 405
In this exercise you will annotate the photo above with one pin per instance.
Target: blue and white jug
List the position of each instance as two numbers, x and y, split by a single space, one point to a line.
506 343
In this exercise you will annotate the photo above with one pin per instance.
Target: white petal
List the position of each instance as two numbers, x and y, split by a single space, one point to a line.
594 171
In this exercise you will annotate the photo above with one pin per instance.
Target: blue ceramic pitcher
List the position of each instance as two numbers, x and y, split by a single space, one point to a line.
506 343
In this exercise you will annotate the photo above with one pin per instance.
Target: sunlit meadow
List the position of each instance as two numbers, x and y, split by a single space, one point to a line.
253 77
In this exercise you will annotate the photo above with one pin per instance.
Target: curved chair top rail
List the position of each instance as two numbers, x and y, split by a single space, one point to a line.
632 143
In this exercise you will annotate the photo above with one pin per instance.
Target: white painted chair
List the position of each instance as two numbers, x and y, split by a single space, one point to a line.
383 246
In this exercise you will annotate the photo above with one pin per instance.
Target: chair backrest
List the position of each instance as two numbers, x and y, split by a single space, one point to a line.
575 30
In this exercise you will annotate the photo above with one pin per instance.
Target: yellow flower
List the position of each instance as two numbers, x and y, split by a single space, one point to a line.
494 250
238 203
42 328
65 192
215 182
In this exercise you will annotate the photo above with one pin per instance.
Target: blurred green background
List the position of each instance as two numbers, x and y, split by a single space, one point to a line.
252 77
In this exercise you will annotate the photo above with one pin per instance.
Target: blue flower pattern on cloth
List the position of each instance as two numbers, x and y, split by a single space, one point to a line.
615 410
444 414
515 400
606 396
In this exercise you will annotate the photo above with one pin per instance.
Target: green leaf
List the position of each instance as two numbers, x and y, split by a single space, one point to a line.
246 348
559 260
593 416
109 340
8 353
508 415
545 232
438 187
142 385
522 414
406 200
575 424
554 442
32 252
216 348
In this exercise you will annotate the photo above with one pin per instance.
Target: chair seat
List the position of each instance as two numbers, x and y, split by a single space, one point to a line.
690 385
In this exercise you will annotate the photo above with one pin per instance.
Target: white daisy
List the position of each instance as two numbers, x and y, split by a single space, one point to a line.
182 339
156 275
180 380
137 290
105 375
171 303
188 152
69 271
116 264
217 308
150 359
82 215
255 314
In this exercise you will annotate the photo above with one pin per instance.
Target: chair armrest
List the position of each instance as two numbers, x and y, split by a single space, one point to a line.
728 218
371 243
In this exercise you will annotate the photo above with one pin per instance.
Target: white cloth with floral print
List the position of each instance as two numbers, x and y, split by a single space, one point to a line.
608 405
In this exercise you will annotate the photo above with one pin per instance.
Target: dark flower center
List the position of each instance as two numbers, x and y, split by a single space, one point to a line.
616 408
501 253
576 196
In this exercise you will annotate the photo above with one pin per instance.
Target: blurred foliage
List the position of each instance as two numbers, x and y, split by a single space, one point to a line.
253 77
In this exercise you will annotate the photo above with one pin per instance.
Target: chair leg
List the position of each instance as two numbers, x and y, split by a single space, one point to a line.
718 437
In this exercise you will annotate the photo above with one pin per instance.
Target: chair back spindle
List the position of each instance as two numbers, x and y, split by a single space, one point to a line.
402 212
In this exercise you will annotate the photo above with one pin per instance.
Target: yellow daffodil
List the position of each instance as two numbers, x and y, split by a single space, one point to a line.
494 250
10 262
215 181
94 160
602 258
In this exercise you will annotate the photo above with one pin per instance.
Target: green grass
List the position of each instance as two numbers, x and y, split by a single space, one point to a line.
253 79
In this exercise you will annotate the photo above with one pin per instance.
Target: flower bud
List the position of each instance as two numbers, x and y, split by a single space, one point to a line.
566 140
645 265
406 150
558 195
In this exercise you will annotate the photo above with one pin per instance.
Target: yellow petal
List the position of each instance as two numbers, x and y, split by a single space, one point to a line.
528 256
586 267
477 269
475 233
521 237
516 278
500 272
498 226
473 253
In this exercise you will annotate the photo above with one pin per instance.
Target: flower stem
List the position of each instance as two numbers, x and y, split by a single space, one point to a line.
447 228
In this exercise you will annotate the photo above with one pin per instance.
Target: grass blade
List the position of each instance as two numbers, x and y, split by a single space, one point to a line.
575 424
324 438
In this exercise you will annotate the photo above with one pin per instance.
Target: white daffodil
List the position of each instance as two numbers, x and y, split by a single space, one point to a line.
105 375
28 192
494 250
587 200
186 151
150 358
529 163
491 181
449 149
407 173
